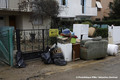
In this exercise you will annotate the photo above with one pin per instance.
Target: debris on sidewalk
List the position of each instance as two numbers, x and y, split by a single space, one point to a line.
19 60
54 56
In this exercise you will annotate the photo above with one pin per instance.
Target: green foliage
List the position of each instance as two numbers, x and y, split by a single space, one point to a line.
69 23
87 22
45 8
101 32
52 40
109 22
115 13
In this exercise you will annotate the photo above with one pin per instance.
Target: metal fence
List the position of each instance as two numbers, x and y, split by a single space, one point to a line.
31 42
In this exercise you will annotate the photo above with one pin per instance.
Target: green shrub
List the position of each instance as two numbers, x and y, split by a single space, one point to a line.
87 22
101 32
52 40
109 22
69 23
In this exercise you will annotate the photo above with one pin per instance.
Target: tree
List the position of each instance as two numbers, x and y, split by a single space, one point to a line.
41 8
115 13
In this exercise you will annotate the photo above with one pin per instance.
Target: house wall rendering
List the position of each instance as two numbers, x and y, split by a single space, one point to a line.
104 11
76 8
9 4
13 4
10 16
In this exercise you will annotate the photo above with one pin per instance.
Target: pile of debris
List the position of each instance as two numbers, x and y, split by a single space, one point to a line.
67 36
53 56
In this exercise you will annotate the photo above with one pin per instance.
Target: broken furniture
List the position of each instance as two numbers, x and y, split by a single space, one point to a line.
93 49
76 51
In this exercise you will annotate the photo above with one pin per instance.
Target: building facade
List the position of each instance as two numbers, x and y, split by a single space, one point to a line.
77 9
102 8
10 14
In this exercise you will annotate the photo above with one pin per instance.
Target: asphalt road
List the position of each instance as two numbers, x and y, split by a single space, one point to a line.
106 70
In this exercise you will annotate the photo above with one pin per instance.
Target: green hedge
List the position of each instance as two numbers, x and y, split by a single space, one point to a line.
109 22
101 32
69 23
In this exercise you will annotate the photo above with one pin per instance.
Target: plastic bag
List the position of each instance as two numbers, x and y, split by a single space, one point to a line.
57 56
66 31
60 62
46 57
19 60
54 55
58 59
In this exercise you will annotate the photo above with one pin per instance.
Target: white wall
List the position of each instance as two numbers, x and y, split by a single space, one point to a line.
74 8
90 11
13 4
10 4
24 23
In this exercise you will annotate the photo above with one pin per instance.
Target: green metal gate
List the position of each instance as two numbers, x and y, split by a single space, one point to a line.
6 45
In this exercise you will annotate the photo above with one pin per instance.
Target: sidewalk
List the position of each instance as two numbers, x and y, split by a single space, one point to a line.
36 68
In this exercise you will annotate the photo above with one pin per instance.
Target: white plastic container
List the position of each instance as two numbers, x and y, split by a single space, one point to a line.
112 49
67 51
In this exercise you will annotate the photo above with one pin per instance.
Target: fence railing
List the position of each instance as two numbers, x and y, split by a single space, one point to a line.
30 40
